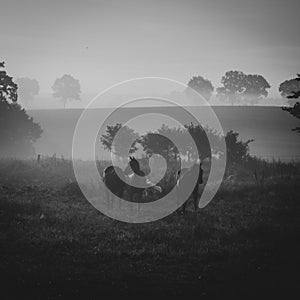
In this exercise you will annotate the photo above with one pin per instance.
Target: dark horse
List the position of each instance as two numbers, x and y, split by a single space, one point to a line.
137 176
118 181
185 175
115 180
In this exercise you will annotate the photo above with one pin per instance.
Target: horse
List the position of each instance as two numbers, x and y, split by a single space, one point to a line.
115 180
138 177
119 181
185 175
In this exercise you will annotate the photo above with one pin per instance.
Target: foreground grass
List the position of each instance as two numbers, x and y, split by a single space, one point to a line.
54 244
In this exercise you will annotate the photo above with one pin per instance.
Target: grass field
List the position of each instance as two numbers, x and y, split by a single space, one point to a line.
55 245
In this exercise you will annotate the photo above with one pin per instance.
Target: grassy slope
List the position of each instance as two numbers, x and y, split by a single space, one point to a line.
53 243
269 126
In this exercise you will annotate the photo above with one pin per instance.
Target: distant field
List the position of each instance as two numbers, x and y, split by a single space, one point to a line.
269 126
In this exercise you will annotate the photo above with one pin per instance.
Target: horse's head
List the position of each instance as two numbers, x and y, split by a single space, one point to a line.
134 165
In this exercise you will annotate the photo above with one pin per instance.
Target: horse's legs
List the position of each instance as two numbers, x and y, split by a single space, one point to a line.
183 207
195 202
195 198
112 200
107 194
139 195
120 203
131 198
178 210
135 197
120 197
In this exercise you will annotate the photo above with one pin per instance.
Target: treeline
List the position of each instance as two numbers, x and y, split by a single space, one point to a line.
236 87
163 142
18 132
65 89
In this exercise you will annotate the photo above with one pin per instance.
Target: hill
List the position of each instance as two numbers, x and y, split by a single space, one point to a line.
270 127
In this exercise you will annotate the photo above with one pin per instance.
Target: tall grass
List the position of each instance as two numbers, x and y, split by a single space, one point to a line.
58 172
54 244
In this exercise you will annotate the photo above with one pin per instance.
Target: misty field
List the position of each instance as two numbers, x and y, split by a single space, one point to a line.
54 244
270 127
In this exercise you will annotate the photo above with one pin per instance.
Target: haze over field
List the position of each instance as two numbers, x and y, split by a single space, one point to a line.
269 127
97 44
104 42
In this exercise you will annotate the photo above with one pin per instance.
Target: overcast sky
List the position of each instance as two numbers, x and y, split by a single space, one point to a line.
104 42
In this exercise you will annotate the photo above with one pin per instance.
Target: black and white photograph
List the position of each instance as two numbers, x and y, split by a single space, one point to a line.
149 149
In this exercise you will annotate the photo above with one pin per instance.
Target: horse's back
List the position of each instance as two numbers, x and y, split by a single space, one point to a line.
114 178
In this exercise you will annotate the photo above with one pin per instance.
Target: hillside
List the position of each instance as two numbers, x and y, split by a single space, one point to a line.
269 126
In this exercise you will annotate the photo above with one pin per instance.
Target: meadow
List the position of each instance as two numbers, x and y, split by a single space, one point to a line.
55 245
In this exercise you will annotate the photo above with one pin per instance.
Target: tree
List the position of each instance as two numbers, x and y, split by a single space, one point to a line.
66 88
18 131
254 87
202 136
294 111
232 87
27 89
116 145
202 86
161 142
164 142
8 89
238 86
237 151
290 89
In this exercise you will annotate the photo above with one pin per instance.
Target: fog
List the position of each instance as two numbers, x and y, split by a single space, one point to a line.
270 127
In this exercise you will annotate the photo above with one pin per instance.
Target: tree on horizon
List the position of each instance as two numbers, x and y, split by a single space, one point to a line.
232 87
239 87
255 87
202 86
66 89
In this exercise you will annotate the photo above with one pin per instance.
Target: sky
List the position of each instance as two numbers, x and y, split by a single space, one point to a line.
104 42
